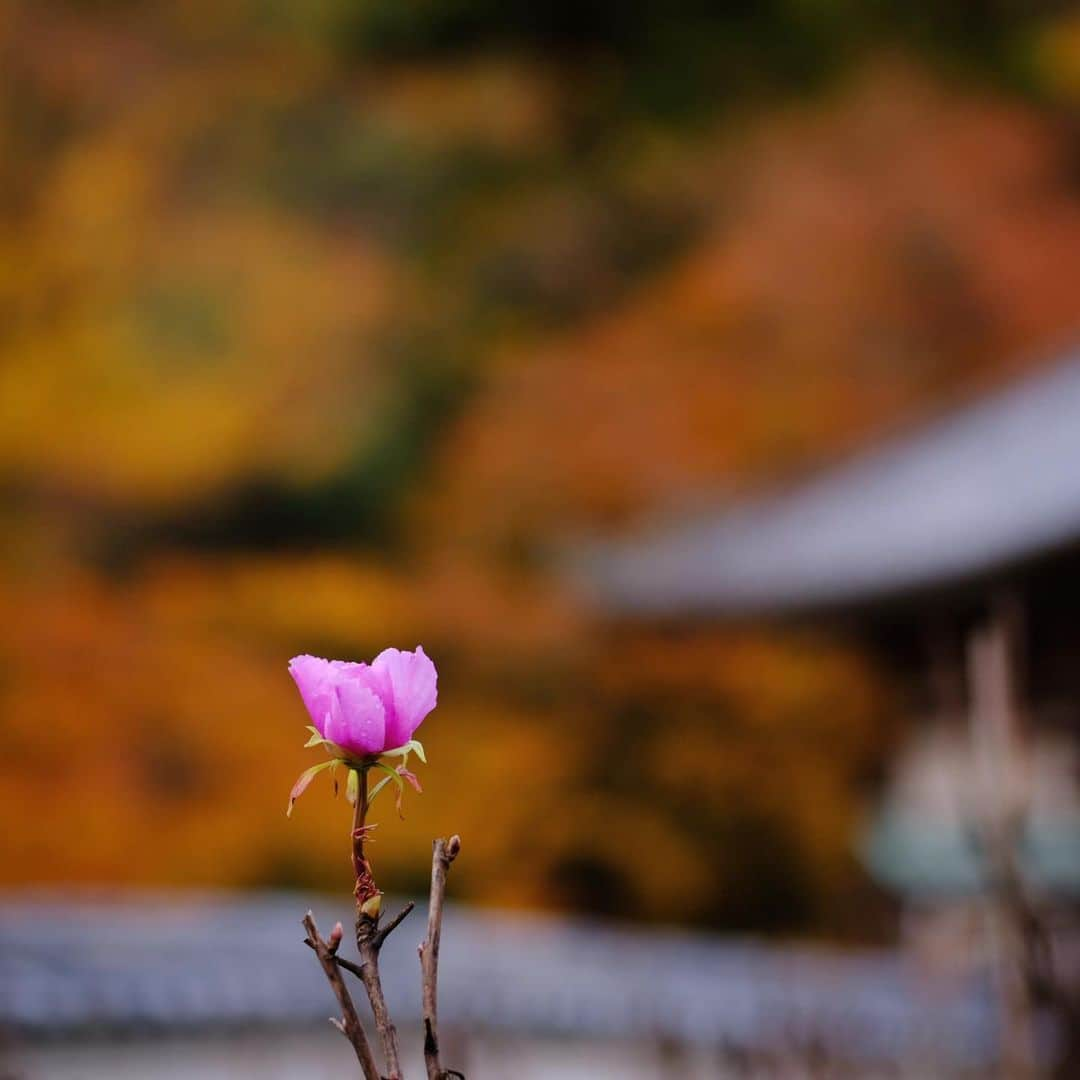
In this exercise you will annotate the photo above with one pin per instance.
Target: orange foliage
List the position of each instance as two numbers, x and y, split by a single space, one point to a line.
191 302
868 259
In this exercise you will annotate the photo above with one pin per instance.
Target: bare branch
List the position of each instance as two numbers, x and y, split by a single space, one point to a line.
444 852
349 1025
348 965
369 940
394 923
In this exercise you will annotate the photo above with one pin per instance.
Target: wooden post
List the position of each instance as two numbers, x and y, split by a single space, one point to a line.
996 742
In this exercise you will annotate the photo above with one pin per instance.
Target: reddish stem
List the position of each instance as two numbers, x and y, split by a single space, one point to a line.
358 825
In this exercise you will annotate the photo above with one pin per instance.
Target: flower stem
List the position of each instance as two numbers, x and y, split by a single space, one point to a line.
360 867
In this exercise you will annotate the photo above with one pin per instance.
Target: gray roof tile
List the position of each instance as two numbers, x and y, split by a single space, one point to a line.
987 488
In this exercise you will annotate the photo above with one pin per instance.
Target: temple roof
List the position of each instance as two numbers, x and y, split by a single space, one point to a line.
975 494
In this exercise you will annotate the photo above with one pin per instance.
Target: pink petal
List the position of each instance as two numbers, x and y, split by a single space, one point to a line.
377 680
412 678
358 721
315 680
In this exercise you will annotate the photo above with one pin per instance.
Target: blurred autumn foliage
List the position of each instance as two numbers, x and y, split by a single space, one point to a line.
327 326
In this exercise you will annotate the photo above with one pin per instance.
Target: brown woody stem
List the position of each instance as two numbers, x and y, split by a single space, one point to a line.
444 852
369 938
349 1025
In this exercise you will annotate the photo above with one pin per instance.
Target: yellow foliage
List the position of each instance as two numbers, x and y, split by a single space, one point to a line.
229 256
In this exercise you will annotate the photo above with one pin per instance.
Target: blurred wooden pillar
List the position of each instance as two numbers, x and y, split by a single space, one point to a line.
994 658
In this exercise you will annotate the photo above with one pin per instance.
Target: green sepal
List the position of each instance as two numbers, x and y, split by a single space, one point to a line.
413 746
332 748
391 774
377 788
352 787
302 782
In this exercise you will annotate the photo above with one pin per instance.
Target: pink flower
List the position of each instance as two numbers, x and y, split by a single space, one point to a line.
367 709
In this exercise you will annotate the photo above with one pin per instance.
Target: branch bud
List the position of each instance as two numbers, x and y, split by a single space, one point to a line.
334 940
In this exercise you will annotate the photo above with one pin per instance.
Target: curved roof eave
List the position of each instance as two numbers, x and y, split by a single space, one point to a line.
990 487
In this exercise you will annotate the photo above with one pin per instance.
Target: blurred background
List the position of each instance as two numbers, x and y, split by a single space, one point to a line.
339 324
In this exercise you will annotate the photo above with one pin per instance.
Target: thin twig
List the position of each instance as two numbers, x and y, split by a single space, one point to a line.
444 852
348 965
349 1025
394 923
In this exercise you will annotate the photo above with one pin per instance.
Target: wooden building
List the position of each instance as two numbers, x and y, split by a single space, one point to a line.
954 552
